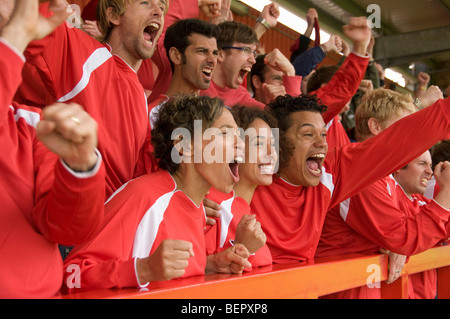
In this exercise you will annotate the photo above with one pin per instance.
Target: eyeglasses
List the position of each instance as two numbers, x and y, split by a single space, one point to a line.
246 50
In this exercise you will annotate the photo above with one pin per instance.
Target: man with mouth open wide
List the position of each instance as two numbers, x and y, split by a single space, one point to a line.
102 76
312 179
237 45
154 228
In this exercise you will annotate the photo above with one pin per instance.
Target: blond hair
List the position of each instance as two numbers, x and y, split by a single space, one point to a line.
118 8
380 104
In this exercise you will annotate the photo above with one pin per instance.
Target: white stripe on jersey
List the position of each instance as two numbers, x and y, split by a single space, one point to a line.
148 227
327 180
225 219
95 60
32 118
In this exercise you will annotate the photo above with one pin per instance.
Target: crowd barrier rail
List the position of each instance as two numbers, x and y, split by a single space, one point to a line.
307 280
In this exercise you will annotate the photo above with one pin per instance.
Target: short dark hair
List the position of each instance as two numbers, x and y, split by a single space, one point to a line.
245 115
231 31
180 112
440 152
281 108
258 69
321 76
177 35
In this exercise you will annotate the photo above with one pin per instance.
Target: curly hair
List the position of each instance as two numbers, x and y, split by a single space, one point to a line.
322 75
281 108
180 113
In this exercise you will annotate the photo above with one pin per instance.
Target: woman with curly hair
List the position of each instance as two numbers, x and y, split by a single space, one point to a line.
236 223
154 226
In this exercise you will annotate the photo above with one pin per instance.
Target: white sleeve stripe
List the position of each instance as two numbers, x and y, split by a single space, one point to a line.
31 118
148 226
95 60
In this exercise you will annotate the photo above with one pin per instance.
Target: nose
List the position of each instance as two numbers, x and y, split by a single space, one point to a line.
157 8
239 145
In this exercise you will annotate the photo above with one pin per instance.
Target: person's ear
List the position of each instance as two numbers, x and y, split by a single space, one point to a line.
220 56
256 81
375 126
182 150
113 17
175 56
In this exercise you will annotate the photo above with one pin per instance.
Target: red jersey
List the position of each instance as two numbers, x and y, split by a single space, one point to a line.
343 85
43 203
292 216
336 134
80 69
221 235
140 215
241 95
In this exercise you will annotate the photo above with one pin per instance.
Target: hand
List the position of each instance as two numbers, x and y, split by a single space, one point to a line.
225 13
380 70
271 13
366 86
442 176
279 62
423 79
27 24
168 261
431 95
396 263
231 260
211 8
68 131
91 28
250 234
334 44
359 32
311 15
271 91
212 209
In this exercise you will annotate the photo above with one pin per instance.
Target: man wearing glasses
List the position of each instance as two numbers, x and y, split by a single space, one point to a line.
237 45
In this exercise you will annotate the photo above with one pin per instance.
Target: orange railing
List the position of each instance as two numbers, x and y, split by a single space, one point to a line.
302 280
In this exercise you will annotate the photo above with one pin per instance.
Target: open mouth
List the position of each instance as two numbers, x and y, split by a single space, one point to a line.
150 33
207 72
234 168
243 73
314 164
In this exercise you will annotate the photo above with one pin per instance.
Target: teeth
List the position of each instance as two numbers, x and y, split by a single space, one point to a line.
207 71
318 156
239 159
316 171
424 181
247 69
154 26
266 169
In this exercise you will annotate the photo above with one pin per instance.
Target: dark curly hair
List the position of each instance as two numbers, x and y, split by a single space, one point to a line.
281 108
180 113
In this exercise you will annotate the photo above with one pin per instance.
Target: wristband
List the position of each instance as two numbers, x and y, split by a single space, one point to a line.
263 22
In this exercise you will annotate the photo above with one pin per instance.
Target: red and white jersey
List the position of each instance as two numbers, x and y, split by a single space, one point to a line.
76 68
140 215
221 235
43 203
292 216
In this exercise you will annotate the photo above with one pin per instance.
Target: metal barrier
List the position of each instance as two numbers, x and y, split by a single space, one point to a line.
298 280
